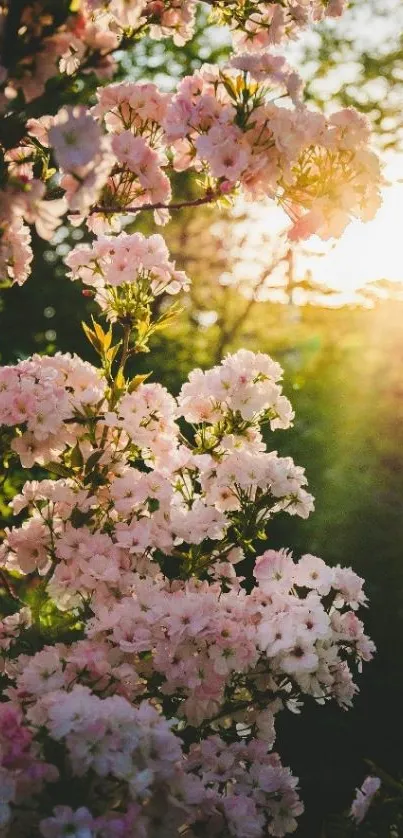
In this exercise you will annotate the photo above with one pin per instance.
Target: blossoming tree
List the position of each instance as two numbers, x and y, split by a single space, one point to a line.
140 677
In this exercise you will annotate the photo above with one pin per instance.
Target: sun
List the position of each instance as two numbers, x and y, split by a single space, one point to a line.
366 252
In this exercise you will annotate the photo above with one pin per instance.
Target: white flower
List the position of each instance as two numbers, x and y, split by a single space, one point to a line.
312 572
75 137
364 798
302 658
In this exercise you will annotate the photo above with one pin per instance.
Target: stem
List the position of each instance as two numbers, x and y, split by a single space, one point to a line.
48 575
9 588
125 347
233 708
81 420
208 198
228 334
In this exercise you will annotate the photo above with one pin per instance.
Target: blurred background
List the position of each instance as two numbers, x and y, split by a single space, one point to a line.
333 316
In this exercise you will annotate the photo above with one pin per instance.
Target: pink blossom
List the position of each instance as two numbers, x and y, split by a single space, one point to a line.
312 572
364 798
75 137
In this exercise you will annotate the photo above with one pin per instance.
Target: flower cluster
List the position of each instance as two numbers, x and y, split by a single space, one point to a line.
10 628
82 39
141 674
132 551
40 397
202 642
261 25
245 383
126 272
226 126
88 38
83 155
136 758
23 771
23 200
193 638
263 794
222 124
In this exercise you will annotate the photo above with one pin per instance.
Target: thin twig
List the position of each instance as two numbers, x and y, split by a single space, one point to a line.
8 586
81 420
125 348
208 198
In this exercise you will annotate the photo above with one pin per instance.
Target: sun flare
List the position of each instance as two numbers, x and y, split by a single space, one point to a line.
365 253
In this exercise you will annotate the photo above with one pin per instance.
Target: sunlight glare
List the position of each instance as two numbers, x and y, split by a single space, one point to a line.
366 252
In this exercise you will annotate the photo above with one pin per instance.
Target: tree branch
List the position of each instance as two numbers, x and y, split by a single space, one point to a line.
208 198
227 335
6 583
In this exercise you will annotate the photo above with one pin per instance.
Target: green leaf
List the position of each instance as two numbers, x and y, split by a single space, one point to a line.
229 85
93 460
59 469
143 328
91 336
76 457
168 317
136 381
110 356
48 173
78 518
104 338
120 380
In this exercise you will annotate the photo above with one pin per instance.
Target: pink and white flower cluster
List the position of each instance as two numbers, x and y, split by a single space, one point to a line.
253 25
274 641
140 676
132 551
193 638
23 202
133 754
40 396
83 155
88 38
261 25
244 383
222 124
23 770
125 271
227 127
81 39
